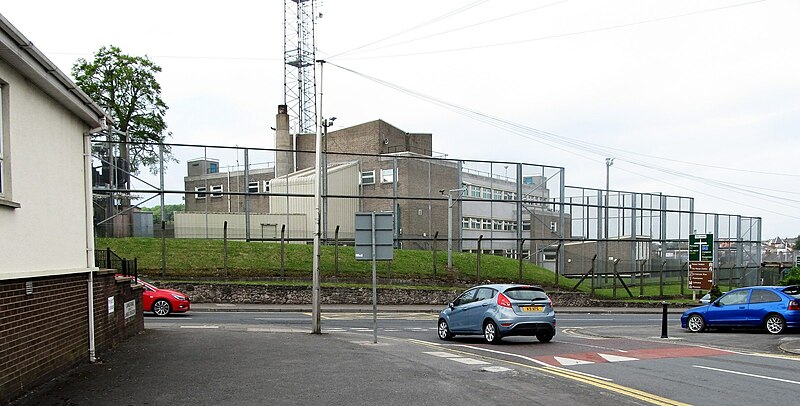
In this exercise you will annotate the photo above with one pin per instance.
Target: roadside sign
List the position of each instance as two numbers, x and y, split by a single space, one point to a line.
701 247
384 236
700 275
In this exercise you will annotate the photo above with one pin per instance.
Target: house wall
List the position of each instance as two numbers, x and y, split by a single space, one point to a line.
45 152
45 332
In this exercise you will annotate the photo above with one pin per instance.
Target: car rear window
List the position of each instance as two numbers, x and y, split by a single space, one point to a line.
525 293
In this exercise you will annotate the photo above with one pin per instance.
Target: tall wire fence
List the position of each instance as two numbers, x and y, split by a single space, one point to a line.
583 236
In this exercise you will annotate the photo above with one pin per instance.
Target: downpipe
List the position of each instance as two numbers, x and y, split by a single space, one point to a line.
90 265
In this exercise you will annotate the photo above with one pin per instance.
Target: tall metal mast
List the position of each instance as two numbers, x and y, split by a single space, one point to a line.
299 56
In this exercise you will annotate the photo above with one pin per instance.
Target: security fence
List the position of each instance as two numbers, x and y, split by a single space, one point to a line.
517 210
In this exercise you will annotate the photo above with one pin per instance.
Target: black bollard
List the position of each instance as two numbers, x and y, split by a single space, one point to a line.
664 320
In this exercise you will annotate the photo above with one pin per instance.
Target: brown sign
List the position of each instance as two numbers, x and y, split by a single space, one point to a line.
700 275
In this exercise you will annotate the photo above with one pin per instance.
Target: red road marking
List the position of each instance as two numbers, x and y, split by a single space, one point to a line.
648 353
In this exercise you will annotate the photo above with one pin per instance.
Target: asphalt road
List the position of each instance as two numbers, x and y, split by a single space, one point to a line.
270 358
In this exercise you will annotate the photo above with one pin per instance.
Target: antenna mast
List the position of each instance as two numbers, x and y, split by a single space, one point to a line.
299 56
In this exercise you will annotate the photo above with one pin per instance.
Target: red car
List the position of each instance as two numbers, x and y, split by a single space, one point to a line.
163 301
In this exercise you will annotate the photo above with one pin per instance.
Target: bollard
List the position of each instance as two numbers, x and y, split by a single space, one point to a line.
664 320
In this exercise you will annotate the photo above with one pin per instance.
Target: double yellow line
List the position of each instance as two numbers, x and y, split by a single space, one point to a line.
575 376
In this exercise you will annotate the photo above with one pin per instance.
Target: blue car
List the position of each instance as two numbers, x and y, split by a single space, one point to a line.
775 308
498 311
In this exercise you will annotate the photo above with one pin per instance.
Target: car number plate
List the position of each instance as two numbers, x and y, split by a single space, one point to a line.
532 308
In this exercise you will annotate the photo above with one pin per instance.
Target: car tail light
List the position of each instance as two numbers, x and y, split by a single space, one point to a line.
794 305
503 301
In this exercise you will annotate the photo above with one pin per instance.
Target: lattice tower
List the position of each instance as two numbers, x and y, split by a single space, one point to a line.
299 54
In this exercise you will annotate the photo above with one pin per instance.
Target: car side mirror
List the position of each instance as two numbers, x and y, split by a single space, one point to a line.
717 303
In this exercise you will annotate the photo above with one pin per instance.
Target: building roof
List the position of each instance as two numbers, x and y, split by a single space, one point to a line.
21 54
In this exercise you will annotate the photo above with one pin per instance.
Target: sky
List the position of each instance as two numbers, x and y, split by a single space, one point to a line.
693 98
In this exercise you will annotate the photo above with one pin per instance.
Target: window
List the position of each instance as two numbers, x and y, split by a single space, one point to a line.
465 223
734 298
266 186
497 194
528 180
213 167
487 193
252 187
484 294
216 191
486 224
764 296
387 175
368 177
200 192
526 225
466 297
554 226
475 191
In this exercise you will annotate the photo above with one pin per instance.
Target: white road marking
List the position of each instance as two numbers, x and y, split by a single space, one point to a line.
746 374
442 354
568 362
224 304
496 369
470 361
203 326
529 359
616 358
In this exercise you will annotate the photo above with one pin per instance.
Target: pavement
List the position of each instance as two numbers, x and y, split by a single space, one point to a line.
791 346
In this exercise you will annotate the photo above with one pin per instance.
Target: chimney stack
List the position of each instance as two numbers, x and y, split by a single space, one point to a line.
284 158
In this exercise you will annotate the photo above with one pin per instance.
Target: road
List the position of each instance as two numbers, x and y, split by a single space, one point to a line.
269 358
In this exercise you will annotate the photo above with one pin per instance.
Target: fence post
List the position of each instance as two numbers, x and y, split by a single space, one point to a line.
163 248
108 257
435 236
283 250
730 277
680 271
661 279
336 251
614 280
641 279
225 246
519 256
594 258
478 263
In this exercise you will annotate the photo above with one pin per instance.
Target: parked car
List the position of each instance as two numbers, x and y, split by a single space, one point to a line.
775 308
498 311
163 302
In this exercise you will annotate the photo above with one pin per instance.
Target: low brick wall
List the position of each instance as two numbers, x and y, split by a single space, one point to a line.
272 294
45 333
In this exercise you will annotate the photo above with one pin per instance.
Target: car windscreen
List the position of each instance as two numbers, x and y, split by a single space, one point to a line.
525 293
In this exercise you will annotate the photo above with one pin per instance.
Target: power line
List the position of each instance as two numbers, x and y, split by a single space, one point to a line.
570 34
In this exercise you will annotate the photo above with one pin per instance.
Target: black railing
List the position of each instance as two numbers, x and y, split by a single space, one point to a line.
108 259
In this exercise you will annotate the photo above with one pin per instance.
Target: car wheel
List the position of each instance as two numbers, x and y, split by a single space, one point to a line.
775 324
544 337
161 307
444 330
490 333
696 323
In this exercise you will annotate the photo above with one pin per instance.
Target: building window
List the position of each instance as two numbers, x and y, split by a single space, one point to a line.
528 180
266 186
387 175
474 223
465 223
252 187
368 177
474 191
200 192
487 193
216 191
526 225
553 226
497 194
486 224
213 167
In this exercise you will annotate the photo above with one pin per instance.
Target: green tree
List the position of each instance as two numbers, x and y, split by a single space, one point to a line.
127 88
797 243
169 210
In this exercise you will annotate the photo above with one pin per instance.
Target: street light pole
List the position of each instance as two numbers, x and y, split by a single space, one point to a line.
609 162
325 124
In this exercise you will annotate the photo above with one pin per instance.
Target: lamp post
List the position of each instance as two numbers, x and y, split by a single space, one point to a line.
326 122
450 204
609 162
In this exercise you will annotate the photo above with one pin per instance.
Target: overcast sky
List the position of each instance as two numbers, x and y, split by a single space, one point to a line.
692 98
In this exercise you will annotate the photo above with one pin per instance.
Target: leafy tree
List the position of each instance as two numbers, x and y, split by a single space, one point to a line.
715 293
169 210
127 88
797 243
792 277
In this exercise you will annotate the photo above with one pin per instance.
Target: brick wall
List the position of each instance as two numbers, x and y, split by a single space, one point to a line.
45 333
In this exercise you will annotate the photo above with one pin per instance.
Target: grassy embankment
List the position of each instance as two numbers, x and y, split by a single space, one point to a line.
196 258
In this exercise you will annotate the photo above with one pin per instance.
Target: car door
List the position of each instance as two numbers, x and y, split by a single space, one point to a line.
729 310
457 313
474 312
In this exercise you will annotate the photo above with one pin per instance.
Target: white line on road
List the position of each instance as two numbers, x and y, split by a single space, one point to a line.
746 374
203 326
535 361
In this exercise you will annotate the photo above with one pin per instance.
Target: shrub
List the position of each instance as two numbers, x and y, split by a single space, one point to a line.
792 277
715 293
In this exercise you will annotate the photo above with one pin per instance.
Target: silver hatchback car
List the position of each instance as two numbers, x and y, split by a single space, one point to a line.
498 311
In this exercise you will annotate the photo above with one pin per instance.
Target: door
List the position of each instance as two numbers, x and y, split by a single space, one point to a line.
475 311
730 309
457 314
762 302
